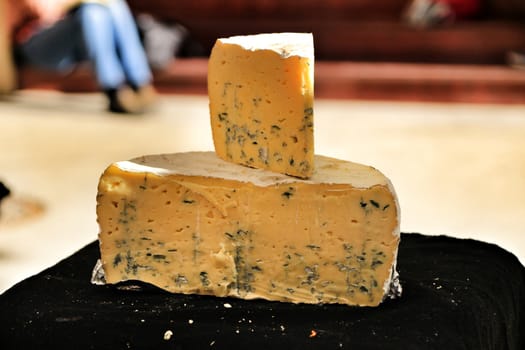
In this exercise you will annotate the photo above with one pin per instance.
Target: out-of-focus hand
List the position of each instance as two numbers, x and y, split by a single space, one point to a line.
50 11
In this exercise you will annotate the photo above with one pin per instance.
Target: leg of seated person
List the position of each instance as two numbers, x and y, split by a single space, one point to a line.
56 48
100 41
131 51
132 54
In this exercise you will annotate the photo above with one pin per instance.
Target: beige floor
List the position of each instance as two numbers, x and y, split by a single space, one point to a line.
458 169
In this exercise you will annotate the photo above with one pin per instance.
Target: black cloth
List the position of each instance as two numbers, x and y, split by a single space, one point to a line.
457 294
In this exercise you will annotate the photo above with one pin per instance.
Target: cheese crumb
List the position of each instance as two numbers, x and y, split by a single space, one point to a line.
168 334
227 305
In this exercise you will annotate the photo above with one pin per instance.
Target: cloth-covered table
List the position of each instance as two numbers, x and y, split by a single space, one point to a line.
457 294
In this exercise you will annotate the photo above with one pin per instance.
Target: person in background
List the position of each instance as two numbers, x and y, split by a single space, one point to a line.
431 13
434 13
57 35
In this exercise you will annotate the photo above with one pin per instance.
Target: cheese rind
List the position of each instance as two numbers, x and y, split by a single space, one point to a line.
260 89
171 221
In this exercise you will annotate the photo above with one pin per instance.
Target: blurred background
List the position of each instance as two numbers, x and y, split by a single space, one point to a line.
432 93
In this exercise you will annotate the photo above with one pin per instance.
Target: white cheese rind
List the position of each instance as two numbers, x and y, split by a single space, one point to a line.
328 170
284 44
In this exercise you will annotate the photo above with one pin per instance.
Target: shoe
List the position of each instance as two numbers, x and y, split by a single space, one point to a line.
124 100
4 191
147 96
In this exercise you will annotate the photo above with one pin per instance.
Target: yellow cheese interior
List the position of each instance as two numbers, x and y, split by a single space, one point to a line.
193 223
261 91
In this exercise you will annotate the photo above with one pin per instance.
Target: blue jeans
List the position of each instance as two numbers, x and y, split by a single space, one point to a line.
104 35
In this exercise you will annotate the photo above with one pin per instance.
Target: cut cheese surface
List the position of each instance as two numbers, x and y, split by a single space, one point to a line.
194 223
261 91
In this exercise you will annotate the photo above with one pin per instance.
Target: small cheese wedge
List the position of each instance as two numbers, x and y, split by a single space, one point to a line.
194 223
261 91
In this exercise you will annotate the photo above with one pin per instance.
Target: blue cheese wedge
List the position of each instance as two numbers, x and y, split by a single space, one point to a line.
261 92
193 223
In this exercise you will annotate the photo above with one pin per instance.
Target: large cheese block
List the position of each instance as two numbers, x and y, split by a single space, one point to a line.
194 223
261 91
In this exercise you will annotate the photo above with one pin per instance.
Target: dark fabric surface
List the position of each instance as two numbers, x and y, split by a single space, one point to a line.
457 294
